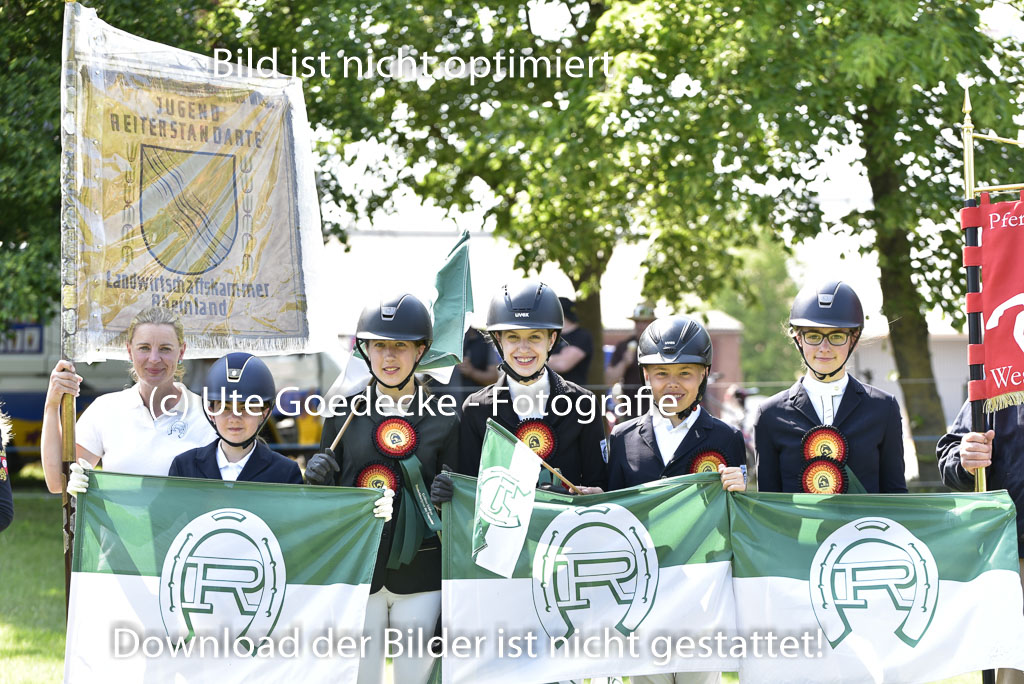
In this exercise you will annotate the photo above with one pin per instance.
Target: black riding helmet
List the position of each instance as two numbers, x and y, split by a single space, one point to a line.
832 304
403 317
677 339
526 305
236 377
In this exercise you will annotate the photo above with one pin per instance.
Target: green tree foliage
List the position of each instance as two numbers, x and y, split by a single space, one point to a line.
762 305
533 148
776 79
709 128
561 159
706 132
29 159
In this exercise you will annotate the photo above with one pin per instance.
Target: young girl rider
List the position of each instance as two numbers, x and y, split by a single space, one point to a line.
676 436
558 419
829 432
398 438
240 394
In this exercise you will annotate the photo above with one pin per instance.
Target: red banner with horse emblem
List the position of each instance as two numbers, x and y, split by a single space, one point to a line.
1000 302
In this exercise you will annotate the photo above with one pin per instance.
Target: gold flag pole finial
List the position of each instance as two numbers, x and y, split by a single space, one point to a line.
968 138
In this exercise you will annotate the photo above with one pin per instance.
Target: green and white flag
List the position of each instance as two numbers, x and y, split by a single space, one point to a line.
454 299
504 500
190 580
909 588
605 585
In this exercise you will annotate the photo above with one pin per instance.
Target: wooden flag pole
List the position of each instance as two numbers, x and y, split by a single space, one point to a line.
569 485
67 443
337 438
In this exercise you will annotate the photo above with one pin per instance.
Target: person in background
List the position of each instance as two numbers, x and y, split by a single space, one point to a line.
829 431
623 369
572 356
138 430
6 497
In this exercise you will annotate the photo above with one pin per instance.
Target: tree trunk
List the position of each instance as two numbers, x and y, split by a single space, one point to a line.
908 331
902 304
589 310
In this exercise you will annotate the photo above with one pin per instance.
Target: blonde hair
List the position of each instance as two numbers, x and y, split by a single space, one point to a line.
157 315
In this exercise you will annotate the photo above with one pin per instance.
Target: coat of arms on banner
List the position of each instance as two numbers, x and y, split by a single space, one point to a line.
187 189
188 208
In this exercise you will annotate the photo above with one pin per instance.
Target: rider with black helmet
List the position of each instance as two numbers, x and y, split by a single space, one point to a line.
829 433
399 438
676 436
239 394
558 419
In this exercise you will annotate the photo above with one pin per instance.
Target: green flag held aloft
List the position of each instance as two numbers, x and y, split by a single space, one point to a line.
454 300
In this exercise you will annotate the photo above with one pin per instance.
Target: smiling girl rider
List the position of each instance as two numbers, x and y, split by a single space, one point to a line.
400 441
677 436
240 391
558 419
829 432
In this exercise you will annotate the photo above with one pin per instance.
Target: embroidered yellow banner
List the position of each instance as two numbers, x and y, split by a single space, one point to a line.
183 189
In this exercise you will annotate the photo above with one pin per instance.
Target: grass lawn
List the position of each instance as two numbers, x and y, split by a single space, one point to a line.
32 591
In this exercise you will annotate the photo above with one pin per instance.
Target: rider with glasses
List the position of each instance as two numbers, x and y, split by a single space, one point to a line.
829 433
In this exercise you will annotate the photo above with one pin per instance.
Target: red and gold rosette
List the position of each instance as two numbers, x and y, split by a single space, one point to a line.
378 475
707 462
825 441
3 468
396 438
539 436
823 475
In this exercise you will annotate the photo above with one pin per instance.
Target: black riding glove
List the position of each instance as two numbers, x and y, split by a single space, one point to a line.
321 469
442 488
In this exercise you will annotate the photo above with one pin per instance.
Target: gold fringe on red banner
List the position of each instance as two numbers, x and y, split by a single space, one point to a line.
1004 401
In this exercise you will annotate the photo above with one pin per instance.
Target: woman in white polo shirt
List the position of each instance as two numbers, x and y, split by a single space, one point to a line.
138 430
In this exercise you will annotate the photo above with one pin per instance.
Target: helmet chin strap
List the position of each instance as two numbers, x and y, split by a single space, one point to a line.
399 386
509 371
827 377
522 379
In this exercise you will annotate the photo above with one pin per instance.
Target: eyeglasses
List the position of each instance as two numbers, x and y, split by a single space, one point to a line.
814 338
